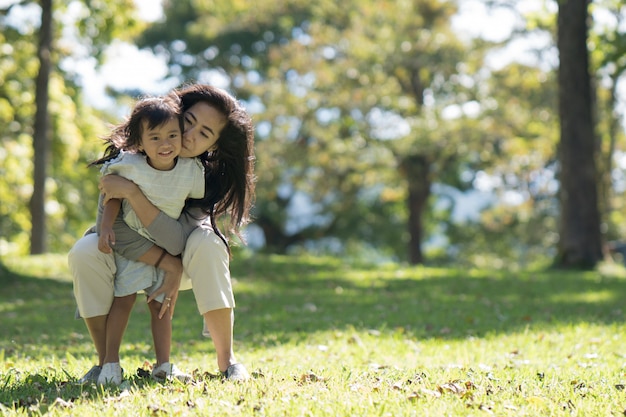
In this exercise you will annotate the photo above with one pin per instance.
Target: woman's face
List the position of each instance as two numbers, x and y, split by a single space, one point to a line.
201 129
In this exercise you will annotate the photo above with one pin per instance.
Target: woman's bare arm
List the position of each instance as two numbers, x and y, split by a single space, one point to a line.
173 267
114 186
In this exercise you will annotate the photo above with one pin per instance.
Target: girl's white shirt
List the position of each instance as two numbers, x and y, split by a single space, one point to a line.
167 190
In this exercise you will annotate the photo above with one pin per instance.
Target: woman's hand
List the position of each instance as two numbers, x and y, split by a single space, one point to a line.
173 267
114 186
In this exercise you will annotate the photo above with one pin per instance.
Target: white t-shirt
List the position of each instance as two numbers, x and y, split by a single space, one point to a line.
167 190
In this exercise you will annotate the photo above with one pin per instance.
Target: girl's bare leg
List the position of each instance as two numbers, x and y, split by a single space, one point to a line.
97 327
116 326
161 333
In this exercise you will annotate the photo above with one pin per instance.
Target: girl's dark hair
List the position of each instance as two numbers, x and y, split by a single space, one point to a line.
127 136
229 168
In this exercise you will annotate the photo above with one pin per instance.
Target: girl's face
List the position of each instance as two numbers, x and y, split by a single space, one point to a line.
162 144
202 127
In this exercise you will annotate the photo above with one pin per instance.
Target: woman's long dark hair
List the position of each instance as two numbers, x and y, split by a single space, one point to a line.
229 169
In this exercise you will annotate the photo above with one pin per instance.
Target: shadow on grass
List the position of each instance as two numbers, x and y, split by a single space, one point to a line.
42 392
299 298
288 298
39 392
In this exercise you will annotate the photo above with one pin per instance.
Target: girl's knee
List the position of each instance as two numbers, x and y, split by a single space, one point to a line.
154 307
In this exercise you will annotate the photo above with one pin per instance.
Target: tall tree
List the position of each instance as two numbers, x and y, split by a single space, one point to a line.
580 241
41 134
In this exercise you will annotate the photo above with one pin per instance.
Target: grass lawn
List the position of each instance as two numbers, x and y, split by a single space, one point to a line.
324 337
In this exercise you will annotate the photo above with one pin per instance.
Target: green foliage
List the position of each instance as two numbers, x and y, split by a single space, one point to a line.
334 88
71 193
333 81
517 165
71 187
100 22
17 71
325 337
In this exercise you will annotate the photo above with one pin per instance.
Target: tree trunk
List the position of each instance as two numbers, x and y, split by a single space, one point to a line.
580 243
41 140
417 171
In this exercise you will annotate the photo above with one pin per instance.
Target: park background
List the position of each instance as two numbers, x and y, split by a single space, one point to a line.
396 131
439 198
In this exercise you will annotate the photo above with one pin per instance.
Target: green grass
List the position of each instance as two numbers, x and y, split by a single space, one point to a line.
327 338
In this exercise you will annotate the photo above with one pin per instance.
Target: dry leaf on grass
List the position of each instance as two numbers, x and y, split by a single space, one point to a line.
311 377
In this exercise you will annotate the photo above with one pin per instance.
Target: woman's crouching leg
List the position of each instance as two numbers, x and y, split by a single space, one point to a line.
206 262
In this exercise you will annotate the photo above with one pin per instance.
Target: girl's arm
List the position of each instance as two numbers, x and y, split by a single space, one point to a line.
106 239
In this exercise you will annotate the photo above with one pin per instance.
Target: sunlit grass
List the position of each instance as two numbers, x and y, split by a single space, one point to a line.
323 337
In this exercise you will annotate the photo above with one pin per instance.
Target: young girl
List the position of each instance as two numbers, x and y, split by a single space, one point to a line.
145 150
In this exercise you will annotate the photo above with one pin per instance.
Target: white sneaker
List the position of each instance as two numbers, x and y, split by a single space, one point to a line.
111 374
168 371
236 372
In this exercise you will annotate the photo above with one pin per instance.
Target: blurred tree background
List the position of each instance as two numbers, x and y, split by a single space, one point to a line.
53 129
381 131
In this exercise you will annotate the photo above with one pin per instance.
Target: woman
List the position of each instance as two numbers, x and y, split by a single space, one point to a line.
220 133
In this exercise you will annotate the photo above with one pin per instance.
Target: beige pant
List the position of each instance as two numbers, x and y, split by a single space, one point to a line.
205 262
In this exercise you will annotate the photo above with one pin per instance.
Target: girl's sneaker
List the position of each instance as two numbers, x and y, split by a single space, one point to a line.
111 374
236 372
167 371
